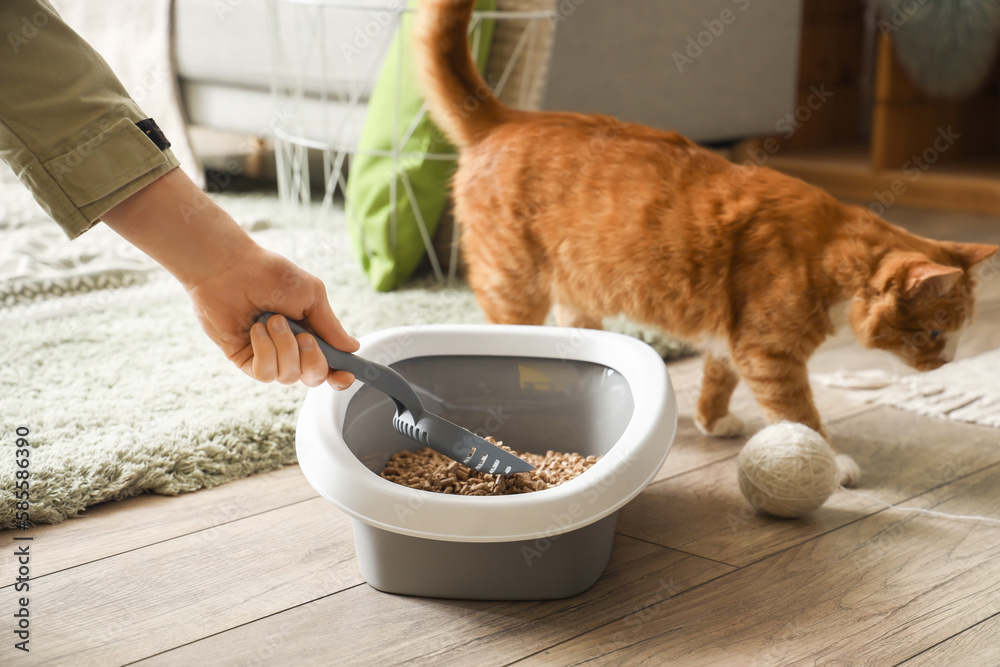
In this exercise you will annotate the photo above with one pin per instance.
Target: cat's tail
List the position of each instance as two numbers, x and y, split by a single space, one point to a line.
457 97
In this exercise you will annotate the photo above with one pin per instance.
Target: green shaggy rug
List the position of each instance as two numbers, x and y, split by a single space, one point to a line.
119 390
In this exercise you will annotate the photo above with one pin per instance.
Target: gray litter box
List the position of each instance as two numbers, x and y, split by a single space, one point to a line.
535 389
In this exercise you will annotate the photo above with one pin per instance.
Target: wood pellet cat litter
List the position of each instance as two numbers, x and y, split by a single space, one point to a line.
428 470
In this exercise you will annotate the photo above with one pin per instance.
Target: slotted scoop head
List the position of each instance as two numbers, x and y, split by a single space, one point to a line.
412 420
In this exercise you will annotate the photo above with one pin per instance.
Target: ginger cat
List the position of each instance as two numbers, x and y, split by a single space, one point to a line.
600 217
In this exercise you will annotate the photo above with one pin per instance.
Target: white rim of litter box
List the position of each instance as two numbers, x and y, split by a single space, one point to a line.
621 474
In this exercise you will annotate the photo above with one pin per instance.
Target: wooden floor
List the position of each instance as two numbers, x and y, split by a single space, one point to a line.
263 571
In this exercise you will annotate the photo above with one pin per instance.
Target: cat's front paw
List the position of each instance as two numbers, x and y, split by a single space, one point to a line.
729 426
847 470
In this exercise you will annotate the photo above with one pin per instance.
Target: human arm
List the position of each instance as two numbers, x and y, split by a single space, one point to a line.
68 128
231 280
84 148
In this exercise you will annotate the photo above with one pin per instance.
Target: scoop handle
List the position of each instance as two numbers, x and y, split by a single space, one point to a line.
378 376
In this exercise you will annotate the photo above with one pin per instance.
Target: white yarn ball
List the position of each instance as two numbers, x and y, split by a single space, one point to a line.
787 470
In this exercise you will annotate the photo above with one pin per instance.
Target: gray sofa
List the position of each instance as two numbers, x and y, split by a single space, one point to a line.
714 70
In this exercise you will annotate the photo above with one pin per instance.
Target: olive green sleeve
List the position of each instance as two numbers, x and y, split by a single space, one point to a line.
67 125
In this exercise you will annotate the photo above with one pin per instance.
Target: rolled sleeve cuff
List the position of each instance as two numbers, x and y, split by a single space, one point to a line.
111 160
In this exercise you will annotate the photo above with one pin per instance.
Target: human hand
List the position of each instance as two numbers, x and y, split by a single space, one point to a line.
231 280
227 306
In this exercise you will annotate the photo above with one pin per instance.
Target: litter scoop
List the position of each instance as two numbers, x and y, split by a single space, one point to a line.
412 420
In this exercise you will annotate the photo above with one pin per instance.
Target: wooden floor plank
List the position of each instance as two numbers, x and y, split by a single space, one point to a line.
692 449
979 645
115 527
261 570
704 513
396 629
874 592
951 226
851 178
155 598
901 456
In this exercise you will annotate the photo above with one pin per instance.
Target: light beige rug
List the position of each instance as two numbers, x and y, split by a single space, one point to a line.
966 390
122 394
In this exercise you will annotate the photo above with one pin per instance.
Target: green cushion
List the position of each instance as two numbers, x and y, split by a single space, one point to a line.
387 237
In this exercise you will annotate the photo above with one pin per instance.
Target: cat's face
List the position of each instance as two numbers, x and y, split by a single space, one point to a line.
916 307
922 329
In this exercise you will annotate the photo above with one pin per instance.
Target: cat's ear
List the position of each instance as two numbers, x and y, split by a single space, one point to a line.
970 254
932 279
